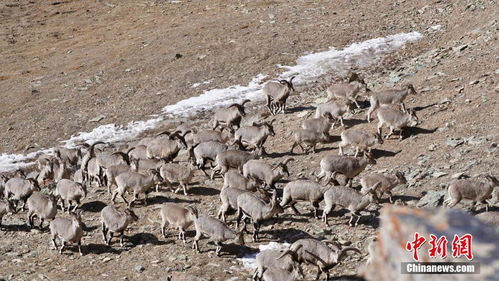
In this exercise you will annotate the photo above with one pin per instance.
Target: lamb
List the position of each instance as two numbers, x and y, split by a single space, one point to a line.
471 189
491 218
360 139
230 116
69 191
218 231
388 182
55 170
106 160
67 230
172 172
201 153
234 179
391 96
317 253
115 221
348 166
93 172
166 147
336 109
319 125
303 190
136 182
230 159
309 138
395 119
260 171
251 206
42 206
349 198
277 92
176 215
228 197
254 136
347 91
19 189
6 207
271 260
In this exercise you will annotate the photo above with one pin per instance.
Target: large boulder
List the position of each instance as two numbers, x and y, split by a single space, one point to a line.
398 226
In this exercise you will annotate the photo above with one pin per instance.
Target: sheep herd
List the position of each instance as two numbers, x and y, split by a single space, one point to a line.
237 154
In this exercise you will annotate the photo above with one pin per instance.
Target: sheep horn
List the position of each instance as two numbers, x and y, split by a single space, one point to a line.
245 101
130 149
163 133
343 252
123 155
285 162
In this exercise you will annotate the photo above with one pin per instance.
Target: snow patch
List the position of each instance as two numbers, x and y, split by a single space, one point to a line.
249 261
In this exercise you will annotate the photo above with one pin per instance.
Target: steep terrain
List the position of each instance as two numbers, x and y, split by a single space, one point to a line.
64 63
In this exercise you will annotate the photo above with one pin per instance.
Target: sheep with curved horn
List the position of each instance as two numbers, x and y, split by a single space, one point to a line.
230 116
166 148
277 92
255 136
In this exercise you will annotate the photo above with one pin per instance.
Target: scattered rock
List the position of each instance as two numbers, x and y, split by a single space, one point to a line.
438 174
139 268
81 89
474 82
432 199
454 142
460 48
97 119
457 175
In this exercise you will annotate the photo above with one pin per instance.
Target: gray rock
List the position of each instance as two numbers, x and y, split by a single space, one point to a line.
139 268
398 225
438 174
432 199
454 142
97 119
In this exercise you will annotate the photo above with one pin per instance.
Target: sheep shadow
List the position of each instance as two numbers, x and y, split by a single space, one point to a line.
299 109
144 238
160 199
204 191
403 198
290 235
379 153
419 108
93 206
349 123
413 131
15 227
101 249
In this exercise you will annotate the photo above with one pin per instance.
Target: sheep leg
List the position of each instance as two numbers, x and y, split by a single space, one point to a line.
54 243
380 126
195 244
239 217
63 208
256 227
104 231
369 114
108 242
452 202
163 229
487 204
319 272
184 186
79 248
352 215
341 121
358 219
63 244
30 222
340 148
349 181
293 207
389 133
121 238
356 151
215 124
316 209
389 196
182 234
145 199
402 106
223 210
292 147
76 205
41 224
219 248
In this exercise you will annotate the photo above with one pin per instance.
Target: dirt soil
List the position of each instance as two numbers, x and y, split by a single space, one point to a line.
63 63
